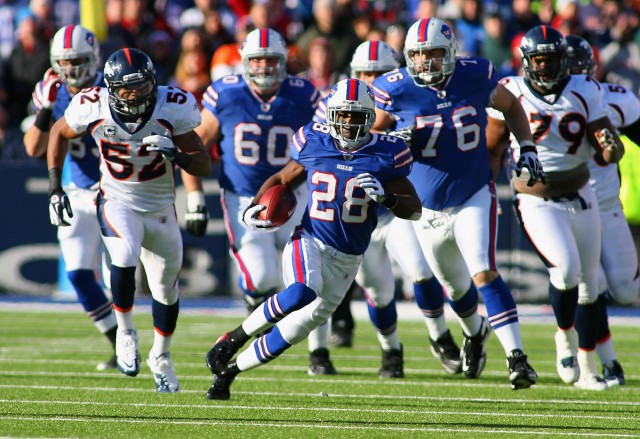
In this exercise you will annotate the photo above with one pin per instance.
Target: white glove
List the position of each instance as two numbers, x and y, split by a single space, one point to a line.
372 187
407 134
46 91
197 216
606 140
529 160
162 144
58 204
250 218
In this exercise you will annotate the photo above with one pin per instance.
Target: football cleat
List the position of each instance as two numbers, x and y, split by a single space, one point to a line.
446 350
591 382
128 357
219 390
521 374
164 372
472 354
392 363
220 354
566 354
342 338
111 363
320 363
613 373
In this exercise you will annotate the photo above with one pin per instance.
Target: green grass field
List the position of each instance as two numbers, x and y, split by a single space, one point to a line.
49 388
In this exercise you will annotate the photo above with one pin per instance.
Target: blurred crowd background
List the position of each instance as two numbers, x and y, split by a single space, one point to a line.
195 41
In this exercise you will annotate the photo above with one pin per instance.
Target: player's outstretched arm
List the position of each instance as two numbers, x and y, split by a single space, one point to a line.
497 140
292 175
603 137
396 194
199 161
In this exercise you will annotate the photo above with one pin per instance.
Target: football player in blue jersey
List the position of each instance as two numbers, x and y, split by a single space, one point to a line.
75 54
348 171
253 117
438 103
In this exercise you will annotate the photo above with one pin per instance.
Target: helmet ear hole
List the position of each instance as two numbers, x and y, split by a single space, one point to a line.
132 70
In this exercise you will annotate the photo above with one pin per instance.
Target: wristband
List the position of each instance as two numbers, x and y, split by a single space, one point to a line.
43 120
195 199
528 146
391 201
182 159
55 180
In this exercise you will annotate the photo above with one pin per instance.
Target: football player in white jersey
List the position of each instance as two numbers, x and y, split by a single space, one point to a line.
143 132
569 123
618 273
252 117
75 53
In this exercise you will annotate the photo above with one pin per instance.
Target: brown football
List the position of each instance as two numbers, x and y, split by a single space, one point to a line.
281 203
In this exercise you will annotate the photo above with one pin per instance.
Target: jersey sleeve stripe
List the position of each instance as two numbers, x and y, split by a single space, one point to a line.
383 95
618 110
582 101
404 155
491 70
299 140
92 127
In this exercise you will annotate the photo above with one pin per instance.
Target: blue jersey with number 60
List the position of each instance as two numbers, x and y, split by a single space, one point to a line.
256 133
451 158
339 213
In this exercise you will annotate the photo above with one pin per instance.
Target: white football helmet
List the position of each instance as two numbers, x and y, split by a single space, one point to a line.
74 42
373 56
354 96
264 42
429 34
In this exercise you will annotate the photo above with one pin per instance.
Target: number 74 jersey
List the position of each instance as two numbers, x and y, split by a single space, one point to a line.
142 179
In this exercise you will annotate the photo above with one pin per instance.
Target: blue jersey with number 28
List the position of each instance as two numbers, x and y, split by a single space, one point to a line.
339 213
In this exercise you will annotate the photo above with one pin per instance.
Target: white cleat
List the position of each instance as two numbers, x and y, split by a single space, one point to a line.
567 352
591 382
128 357
164 372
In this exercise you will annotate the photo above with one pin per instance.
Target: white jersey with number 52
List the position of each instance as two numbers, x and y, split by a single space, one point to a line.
142 179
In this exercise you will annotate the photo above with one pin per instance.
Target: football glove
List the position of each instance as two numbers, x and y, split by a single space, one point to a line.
251 219
606 140
197 216
46 91
529 160
372 187
408 134
162 144
58 204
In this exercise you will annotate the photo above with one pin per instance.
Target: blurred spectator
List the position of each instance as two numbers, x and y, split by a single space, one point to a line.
296 60
171 10
215 34
496 47
523 18
321 72
226 60
394 37
341 36
192 73
27 63
194 17
469 28
513 68
382 13
140 22
8 10
621 58
424 9
42 10
567 19
160 48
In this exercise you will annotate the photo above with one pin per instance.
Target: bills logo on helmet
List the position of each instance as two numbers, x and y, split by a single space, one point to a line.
447 32
90 39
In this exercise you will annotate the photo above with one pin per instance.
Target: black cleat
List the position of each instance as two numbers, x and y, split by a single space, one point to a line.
521 374
342 338
472 354
320 363
111 363
392 363
613 374
220 354
219 390
446 350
